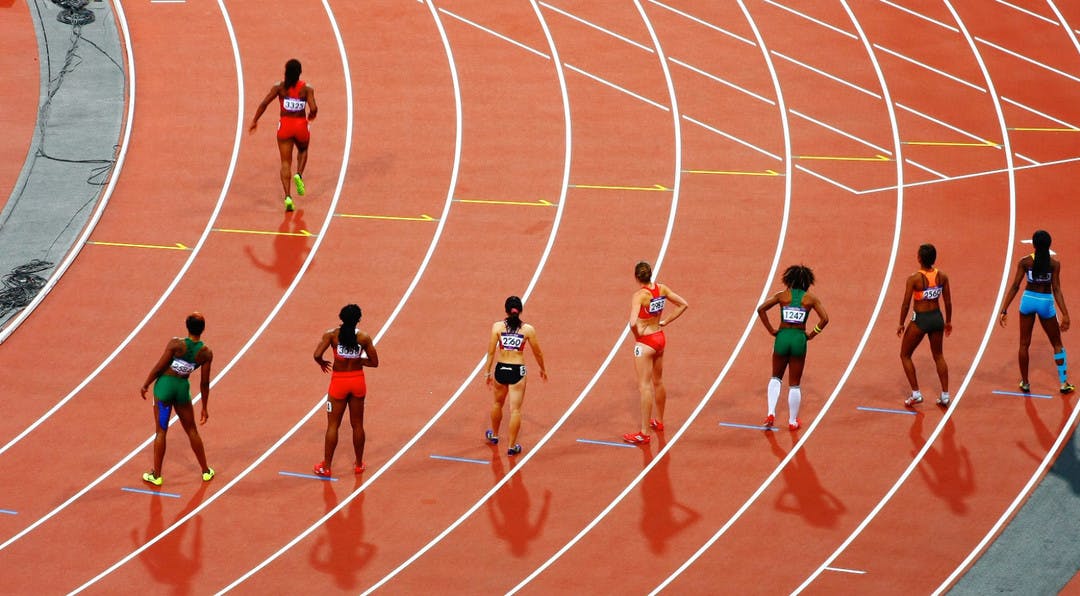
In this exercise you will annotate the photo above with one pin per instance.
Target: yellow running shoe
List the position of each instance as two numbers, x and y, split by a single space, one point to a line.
208 475
289 205
149 477
299 184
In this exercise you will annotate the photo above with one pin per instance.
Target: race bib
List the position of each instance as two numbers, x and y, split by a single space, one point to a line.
656 305
793 315
932 293
182 368
511 341
292 104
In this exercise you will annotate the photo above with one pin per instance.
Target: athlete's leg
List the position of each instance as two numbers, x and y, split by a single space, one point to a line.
186 414
1053 333
159 439
301 157
1027 323
285 148
517 397
659 392
356 418
937 349
335 412
500 391
643 365
912 337
794 388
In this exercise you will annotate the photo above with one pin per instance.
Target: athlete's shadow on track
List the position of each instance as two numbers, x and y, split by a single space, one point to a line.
803 493
340 551
289 251
166 560
662 517
508 510
1067 464
948 472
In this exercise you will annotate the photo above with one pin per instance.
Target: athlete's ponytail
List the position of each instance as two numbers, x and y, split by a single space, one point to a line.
350 317
292 74
1041 241
513 314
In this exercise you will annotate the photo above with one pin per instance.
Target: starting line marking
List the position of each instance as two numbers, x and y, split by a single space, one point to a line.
607 443
1022 394
733 173
308 476
461 459
303 233
655 187
843 158
423 217
952 144
749 426
8 512
884 410
176 246
539 203
842 570
156 493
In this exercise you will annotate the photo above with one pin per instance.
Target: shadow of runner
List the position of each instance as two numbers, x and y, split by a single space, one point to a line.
662 517
803 493
289 251
508 510
340 551
947 471
166 561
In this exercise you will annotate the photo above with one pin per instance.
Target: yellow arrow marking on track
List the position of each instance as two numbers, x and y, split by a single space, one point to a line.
540 203
951 144
843 158
303 233
423 217
1036 129
176 246
654 187
733 173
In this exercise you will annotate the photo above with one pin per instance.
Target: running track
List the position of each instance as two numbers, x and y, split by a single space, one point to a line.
541 149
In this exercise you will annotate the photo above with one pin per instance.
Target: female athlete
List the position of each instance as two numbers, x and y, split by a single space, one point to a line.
353 350
297 101
789 347
508 339
927 288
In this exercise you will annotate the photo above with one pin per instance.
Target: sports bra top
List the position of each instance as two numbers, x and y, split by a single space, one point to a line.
656 303
343 353
794 313
185 365
291 102
1044 278
512 342
932 290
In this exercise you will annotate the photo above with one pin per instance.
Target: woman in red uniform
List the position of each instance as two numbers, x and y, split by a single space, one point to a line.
297 102
509 337
927 287
646 320
353 350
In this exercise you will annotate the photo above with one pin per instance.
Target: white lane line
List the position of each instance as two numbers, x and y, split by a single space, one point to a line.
921 16
1028 12
685 15
1050 453
825 178
616 87
831 77
709 75
812 19
926 169
1026 158
1028 60
842 133
1037 112
495 33
866 334
733 138
938 71
991 321
597 27
974 175
956 129
843 570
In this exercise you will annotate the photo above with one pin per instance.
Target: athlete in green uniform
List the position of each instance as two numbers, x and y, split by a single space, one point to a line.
789 348
172 390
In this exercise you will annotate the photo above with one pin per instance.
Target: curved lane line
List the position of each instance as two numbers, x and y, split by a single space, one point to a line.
869 326
992 320
125 141
1050 454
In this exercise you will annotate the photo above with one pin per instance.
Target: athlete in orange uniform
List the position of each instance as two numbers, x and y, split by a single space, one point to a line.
297 106
353 350
646 319
926 288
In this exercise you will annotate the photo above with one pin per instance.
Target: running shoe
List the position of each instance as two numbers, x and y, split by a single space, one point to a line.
299 184
208 475
321 469
943 401
1067 387
769 421
149 477
913 401
491 438
289 205
359 467
636 438
1025 386
655 424
516 449
795 425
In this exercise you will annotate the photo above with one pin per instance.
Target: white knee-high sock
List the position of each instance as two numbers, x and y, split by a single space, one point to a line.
774 395
794 400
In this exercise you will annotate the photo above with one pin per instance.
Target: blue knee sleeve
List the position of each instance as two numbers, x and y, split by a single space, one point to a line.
164 413
1063 367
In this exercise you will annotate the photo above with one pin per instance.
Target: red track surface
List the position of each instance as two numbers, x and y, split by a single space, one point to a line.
773 526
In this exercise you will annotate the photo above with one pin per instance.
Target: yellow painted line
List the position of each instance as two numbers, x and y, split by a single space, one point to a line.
843 158
176 246
1037 129
423 217
951 144
303 233
540 203
733 172
654 187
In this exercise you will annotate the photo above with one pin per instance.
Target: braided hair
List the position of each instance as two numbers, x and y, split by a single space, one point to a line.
350 317
798 277
1041 241
513 314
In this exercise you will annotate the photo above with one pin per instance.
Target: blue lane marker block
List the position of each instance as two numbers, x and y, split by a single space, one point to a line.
308 476
461 459
606 443
8 512
1022 394
749 426
156 493
885 410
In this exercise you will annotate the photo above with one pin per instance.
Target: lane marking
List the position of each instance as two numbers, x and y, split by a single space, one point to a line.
1040 129
1026 158
538 203
734 172
733 138
461 459
499 35
308 476
654 187
842 570
940 175
709 75
941 123
8 512
705 23
831 77
1022 394
597 27
841 132
156 493
423 217
921 16
812 19
1028 60
973 175
616 87
843 158
911 60
885 410
1028 12
607 443
301 233
177 246
954 144
1032 110
826 179
748 426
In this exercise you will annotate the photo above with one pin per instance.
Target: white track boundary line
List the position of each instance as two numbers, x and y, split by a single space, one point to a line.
1051 454
866 334
991 322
